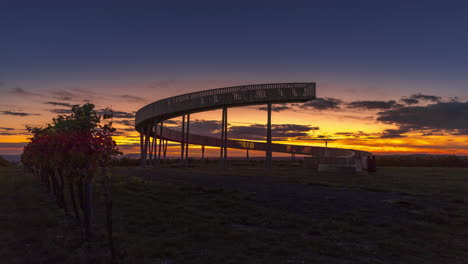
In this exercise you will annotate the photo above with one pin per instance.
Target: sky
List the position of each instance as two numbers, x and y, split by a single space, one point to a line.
391 77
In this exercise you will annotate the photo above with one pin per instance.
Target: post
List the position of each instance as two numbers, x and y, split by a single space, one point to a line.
187 140
203 155
182 141
147 139
141 148
151 145
221 147
165 149
161 142
225 135
248 158
155 143
268 158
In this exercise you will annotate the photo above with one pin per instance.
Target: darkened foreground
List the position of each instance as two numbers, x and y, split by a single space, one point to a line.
398 215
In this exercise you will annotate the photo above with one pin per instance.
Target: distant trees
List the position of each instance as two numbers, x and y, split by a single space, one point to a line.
4 162
422 161
67 154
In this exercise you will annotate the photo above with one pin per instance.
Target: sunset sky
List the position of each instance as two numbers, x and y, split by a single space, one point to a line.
391 78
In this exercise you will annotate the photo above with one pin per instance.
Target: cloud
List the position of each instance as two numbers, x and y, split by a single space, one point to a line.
204 126
253 132
63 95
420 96
162 84
275 108
117 114
279 132
322 104
18 113
59 104
126 129
126 122
372 105
22 92
409 101
6 128
132 98
172 122
462 131
357 134
121 114
12 145
61 111
394 133
442 116
199 126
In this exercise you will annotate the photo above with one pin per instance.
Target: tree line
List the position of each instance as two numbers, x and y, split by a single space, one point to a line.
422 161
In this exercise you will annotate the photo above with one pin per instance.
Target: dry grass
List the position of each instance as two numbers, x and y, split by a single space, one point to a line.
439 182
161 222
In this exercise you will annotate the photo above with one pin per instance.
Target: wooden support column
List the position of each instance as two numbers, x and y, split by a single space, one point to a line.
268 158
247 153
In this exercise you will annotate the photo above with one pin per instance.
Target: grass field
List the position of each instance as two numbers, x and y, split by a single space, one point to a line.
163 221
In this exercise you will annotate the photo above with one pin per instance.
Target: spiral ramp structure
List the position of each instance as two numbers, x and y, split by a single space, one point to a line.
149 122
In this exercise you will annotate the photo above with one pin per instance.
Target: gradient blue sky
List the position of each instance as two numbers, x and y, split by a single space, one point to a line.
354 51
424 43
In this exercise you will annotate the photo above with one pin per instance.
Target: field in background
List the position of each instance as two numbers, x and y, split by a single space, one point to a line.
185 221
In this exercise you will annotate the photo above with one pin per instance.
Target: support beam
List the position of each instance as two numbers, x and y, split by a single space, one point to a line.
268 158
247 153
